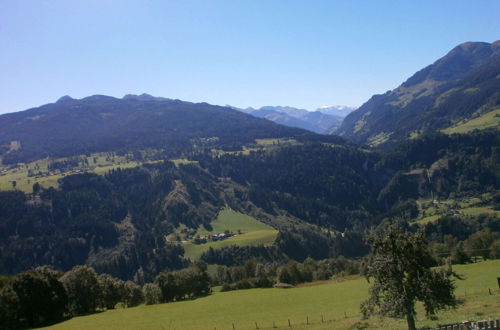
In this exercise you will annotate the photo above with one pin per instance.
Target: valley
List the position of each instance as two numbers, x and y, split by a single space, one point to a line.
150 212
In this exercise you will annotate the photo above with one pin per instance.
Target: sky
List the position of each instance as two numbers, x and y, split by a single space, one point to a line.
243 53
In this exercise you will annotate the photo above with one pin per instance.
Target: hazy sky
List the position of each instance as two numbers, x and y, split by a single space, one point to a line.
244 53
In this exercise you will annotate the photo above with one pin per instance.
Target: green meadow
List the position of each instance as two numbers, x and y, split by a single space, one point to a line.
488 120
253 232
337 301
99 163
471 206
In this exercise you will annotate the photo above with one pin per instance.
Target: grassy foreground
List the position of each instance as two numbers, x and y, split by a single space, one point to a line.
337 301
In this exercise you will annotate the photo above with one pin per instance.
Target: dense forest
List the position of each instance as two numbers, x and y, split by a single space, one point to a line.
322 197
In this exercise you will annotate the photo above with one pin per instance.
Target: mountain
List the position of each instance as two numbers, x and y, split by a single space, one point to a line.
323 122
314 121
125 221
102 123
459 87
284 119
294 112
336 110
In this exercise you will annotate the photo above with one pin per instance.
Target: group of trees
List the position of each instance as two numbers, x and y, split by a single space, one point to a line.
43 296
462 238
189 282
483 244
255 273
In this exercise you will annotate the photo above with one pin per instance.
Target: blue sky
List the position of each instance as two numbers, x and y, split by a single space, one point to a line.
240 52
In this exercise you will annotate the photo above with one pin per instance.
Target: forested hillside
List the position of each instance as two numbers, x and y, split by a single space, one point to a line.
310 192
100 123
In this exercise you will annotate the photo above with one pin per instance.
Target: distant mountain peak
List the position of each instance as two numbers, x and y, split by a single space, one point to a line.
144 97
65 98
336 110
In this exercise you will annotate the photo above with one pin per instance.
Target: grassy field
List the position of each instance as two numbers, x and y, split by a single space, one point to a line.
99 163
337 301
253 232
431 211
466 211
277 141
488 120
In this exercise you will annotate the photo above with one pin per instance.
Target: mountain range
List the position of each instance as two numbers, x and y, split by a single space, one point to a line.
187 161
102 123
324 120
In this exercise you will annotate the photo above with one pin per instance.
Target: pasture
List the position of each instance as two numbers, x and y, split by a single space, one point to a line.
488 120
336 300
253 232
25 175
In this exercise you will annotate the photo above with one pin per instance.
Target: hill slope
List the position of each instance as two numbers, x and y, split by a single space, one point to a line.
102 123
462 85
338 303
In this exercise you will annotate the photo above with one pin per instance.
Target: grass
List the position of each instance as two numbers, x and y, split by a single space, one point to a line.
379 138
277 141
479 210
488 120
337 301
183 161
261 237
253 232
233 221
428 219
99 163
467 211
432 211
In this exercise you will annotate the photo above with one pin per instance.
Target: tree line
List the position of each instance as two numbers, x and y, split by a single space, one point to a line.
43 296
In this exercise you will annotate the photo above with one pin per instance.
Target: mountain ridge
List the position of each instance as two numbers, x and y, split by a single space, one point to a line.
462 84
99 123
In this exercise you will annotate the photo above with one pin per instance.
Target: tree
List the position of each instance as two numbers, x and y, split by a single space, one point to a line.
133 294
10 308
41 297
458 255
152 293
495 249
401 269
112 290
36 188
478 244
83 289
167 285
